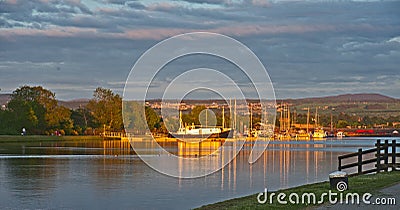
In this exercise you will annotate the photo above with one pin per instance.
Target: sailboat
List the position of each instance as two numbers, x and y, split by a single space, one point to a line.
305 134
319 133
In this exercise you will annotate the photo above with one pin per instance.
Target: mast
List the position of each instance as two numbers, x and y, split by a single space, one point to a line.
180 119
206 118
234 115
251 117
223 117
294 118
316 117
308 118
230 112
281 119
331 124
288 118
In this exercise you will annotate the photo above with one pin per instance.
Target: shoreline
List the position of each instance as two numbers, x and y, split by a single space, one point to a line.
33 138
370 183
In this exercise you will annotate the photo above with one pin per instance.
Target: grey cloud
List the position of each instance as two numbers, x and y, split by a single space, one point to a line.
335 47
207 1
136 5
120 2
38 12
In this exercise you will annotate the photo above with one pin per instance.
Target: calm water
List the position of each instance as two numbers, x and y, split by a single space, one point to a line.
107 175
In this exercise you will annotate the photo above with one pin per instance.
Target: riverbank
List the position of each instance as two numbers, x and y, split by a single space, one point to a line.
372 183
31 138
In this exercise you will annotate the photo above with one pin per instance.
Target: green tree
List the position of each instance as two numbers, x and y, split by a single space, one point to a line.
36 109
82 120
193 116
342 124
59 118
152 118
106 109
8 123
134 117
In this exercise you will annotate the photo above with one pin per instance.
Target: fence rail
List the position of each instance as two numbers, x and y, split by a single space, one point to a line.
116 135
382 154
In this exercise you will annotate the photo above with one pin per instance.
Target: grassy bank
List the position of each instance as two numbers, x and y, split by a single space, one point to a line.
30 138
359 184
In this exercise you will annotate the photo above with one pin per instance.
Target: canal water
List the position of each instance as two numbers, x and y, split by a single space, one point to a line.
88 174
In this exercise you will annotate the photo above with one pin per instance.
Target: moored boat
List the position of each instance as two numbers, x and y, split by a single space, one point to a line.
200 132
193 131
319 134
340 134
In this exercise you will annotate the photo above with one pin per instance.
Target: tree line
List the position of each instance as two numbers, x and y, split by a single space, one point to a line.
37 110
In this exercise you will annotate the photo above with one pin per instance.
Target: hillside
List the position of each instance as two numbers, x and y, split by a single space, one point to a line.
346 98
74 104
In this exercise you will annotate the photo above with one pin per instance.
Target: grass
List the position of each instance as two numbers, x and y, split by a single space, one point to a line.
359 184
32 138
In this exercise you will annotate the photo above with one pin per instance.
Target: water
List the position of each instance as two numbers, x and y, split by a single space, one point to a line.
108 175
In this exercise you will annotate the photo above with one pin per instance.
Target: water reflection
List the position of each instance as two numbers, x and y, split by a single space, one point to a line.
205 148
108 174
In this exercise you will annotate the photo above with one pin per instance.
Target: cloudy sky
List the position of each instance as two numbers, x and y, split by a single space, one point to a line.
310 47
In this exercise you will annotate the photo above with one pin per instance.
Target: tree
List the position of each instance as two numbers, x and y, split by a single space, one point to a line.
28 105
59 118
193 116
152 118
36 109
134 117
106 109
82 120
342 124
7 123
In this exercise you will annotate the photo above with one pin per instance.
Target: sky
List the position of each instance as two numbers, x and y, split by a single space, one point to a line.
310 48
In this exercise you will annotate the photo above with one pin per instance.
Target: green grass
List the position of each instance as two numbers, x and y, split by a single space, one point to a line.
359 184
32 138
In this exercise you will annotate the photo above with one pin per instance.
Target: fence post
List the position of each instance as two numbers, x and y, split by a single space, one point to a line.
359 161
393 155
340 164
386 155
378 156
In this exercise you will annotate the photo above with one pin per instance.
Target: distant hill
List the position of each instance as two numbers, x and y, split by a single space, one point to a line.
71 104
74 104
4 98
347 98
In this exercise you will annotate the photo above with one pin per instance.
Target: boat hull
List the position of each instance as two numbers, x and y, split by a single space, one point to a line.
222 134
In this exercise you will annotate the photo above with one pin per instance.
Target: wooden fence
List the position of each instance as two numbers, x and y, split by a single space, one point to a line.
113 135
383 158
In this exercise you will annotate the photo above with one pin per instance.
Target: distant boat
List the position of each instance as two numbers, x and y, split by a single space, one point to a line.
340 134
395 133
319 134
193 131
302 135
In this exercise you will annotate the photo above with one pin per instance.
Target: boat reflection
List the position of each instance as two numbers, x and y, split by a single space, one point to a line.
204 148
